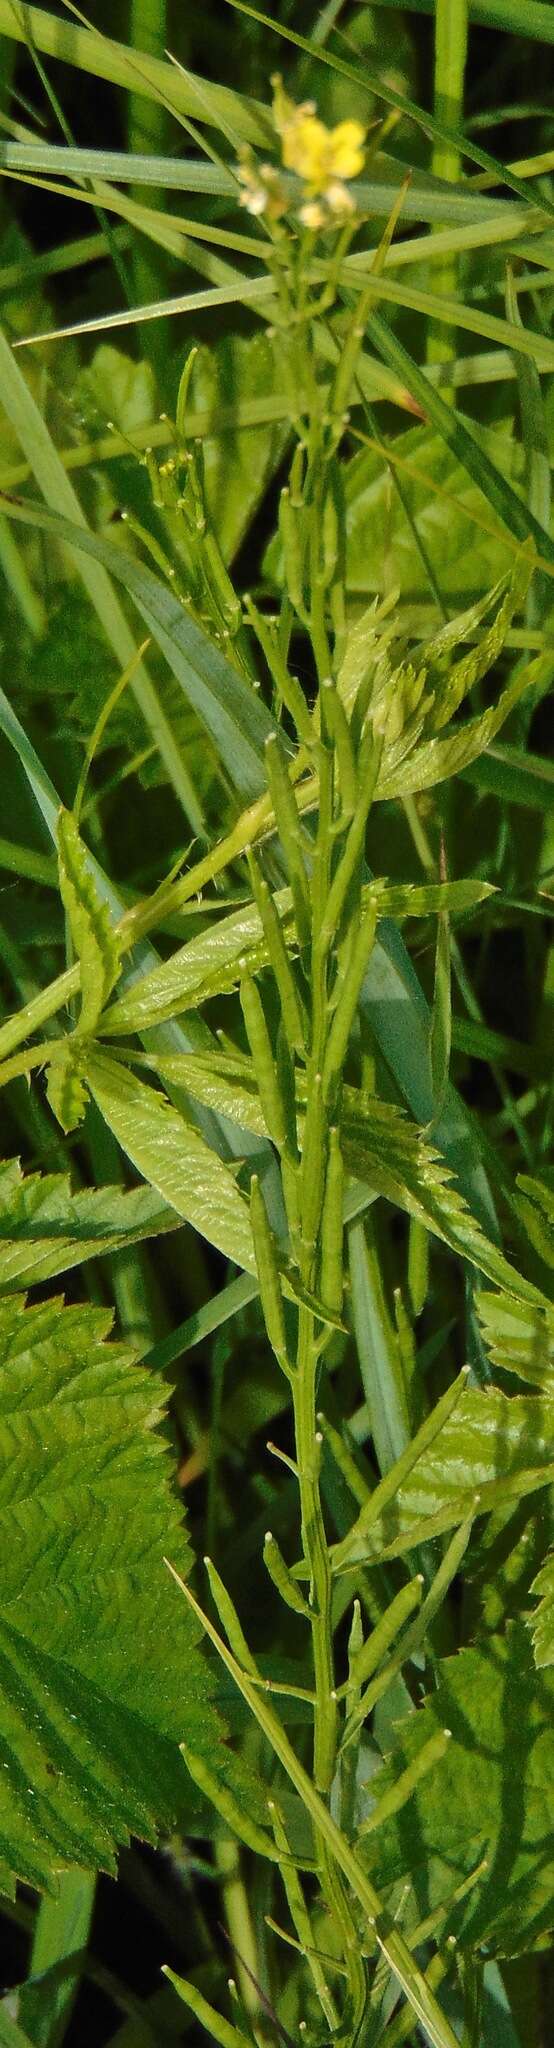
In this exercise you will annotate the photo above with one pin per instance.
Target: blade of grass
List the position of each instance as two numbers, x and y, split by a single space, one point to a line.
27 421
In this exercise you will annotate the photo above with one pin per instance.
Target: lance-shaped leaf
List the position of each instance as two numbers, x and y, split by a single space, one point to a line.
174 1157
492 1446
97 1685
491 1795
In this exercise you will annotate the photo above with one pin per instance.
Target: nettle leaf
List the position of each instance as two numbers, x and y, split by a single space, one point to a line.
519 1339
495 1447
100 1674
173 1156
490 1795
45 1229
542 1622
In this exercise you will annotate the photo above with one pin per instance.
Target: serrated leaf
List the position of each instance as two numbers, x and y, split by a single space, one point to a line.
89 1747
518 1338
542 1622
174 1157
45 1229
94 938
535 1203
495 1447
492 1794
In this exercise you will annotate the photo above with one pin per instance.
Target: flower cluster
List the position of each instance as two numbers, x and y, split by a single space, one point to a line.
322 158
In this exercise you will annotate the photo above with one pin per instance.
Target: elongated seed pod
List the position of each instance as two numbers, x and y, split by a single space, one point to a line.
273 933
229 1620
183 393
355 1641
213 2023
393 1800
231 1810
291 523
314 1159
351 856
273 1105
287 684
337 729
339 1035
344 1460
282 1577
388 1629
288 827
268 1275
331 1280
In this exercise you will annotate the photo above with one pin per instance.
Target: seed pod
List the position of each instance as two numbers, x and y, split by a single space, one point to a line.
387 1630
268 1276
313 1163
393 1800
331 1268
273 1105
339 1035
229 1619
183 393
231 1810
282 969
336 724
282 1577
287 685
291 523
288 827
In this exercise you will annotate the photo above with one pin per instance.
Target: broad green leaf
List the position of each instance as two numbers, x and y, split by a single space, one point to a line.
87 1612
491 1795
173 1156
122 390
495 1447
542 1620
519 1339
61 1931
45 1229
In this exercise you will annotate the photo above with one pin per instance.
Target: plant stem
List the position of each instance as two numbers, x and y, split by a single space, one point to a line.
451 27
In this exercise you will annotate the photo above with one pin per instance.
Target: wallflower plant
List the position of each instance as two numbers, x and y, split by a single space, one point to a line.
239 1035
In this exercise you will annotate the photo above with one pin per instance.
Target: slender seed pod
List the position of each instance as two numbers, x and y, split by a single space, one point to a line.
282 1577
287 684
288 827
337 1044
331 1270
291 522
336 725
393 1800
273 933
355 1641
313 1163
286 1082
229 1620
211 1784
268 1275
344 1461
300 1916
274 1108
213 2023
354 844
388 1628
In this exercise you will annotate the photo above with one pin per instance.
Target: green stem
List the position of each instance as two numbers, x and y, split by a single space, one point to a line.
451 26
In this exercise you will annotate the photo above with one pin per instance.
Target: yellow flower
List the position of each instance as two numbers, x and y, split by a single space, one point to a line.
322 157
